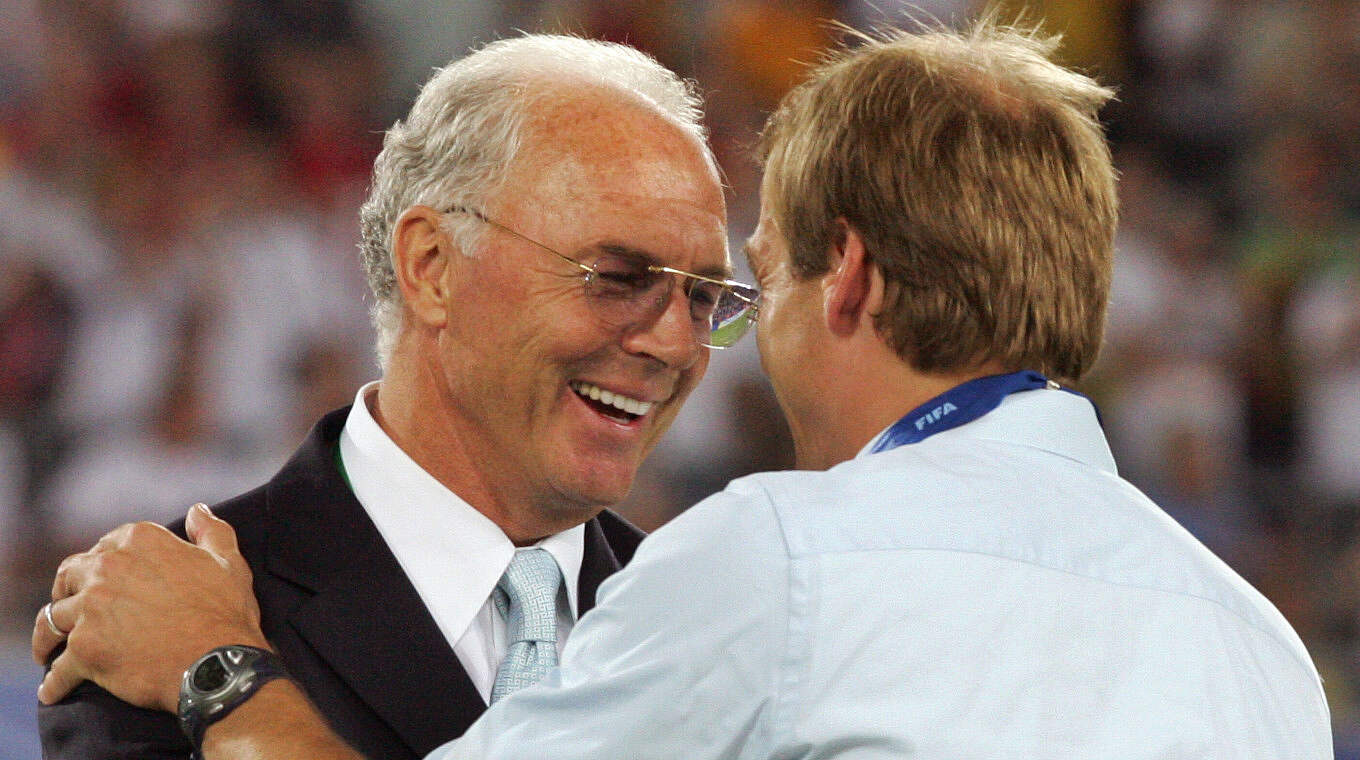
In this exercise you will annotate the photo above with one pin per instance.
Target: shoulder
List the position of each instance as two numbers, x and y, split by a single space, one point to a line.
247 515
736 527
309 471
309 480
723 561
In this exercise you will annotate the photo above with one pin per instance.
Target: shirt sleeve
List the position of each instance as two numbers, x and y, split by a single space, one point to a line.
679 658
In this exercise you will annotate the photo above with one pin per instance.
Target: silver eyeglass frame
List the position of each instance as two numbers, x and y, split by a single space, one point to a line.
590 273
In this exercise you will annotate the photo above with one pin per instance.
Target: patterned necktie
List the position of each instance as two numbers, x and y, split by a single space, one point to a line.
527 598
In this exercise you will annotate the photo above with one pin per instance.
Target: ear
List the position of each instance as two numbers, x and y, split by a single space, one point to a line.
852 290
421 258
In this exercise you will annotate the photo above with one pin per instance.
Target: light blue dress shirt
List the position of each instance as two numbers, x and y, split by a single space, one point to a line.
995 591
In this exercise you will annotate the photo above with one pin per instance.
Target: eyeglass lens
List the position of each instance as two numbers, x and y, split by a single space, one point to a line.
630 289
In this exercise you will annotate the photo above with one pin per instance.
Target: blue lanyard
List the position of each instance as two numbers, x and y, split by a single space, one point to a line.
957 406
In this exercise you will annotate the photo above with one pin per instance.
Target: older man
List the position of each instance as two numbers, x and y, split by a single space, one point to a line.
545 240
959 572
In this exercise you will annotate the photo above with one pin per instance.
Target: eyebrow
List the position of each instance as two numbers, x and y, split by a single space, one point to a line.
717 273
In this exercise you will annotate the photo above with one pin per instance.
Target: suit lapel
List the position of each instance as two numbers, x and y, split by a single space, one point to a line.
364 619
371 626
373 629
598 562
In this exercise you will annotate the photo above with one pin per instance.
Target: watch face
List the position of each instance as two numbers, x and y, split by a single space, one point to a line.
210 675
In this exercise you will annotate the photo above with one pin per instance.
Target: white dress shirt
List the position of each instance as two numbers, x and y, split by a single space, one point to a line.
453 554
994 591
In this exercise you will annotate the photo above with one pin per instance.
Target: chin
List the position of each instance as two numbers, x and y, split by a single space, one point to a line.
599 498
599 475
593 495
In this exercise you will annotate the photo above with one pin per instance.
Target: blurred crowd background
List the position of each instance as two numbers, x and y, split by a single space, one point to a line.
180 293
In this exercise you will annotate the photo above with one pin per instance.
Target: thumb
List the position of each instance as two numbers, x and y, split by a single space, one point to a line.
208 532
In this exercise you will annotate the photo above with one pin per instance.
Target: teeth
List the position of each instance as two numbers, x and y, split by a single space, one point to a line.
616 400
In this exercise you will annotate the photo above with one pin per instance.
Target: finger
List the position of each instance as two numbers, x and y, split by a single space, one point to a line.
194 522
208 532
76 573
44 638
59 581
111 539
63 614
73 569
66 575
65 674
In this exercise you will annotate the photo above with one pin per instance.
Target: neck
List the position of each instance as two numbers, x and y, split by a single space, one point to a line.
422 422
862 404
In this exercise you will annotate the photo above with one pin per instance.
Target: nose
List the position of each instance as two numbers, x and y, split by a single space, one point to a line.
670 336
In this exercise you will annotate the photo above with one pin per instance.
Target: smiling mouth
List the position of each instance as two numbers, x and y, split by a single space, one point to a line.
615 406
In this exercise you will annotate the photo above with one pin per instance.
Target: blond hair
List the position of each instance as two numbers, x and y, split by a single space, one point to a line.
977 174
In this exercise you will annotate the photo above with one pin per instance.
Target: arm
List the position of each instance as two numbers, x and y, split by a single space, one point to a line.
681 657
142 606
277 723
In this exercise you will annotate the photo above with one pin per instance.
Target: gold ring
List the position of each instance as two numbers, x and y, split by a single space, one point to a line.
47 615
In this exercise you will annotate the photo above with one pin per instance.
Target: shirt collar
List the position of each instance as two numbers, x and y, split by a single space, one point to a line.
1050 419
453 554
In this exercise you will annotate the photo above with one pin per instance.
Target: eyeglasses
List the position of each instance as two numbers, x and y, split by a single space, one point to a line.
626 289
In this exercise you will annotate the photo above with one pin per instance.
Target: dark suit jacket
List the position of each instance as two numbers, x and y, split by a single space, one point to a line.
342 614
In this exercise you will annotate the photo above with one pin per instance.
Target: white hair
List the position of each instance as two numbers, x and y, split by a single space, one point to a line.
466 127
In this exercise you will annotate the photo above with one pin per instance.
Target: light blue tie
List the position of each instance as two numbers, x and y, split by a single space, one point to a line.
527 598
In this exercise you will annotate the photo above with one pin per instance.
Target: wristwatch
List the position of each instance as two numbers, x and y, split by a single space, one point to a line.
219 682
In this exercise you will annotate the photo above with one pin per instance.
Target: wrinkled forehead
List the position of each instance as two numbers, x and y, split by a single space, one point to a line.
672 232
675 233
619 170
605 130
